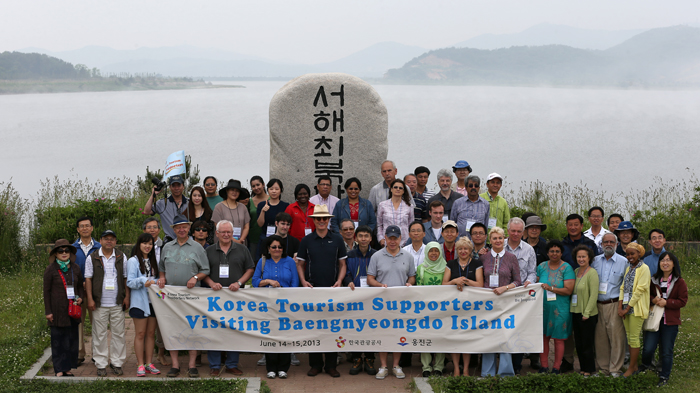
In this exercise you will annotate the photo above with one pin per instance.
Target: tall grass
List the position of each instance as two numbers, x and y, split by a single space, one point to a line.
12 219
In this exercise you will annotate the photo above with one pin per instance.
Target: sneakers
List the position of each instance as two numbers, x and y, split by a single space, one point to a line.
141 371
382 373
116 370
151 369
271 375
174 372
282 375
369 367
399 373
356 366
662 382
193 373
295 361
555 371
101 372
262 360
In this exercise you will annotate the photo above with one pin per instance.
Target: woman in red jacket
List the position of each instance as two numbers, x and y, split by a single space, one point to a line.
673 296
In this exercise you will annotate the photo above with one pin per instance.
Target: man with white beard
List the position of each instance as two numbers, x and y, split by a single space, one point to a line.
610 338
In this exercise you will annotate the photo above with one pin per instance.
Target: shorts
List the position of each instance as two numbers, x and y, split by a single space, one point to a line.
137 313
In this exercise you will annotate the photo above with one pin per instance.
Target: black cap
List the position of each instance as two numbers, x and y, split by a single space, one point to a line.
108 232
393 230
175 179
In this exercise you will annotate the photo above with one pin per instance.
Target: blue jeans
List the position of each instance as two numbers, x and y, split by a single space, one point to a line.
665 338
214 358
488 365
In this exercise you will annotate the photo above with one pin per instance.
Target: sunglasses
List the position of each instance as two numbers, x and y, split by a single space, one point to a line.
275 247
200 229
63 251
397 188
210 184
472 186
322 218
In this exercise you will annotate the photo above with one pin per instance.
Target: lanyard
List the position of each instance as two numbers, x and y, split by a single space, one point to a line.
359 263
460 269
497 265
578 280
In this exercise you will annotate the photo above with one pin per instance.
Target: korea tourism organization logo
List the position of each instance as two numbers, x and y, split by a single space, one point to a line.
340 342
403 342
530 296
532 293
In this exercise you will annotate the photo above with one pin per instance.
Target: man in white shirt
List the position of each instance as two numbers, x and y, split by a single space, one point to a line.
108 297
596 231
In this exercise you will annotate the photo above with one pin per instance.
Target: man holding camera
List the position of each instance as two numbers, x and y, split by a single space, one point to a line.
168 209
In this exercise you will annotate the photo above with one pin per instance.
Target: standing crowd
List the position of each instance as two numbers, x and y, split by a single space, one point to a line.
606 295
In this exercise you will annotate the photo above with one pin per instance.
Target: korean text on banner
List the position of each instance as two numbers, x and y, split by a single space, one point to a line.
400 319
175 164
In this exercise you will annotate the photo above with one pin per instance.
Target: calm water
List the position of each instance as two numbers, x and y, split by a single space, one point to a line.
608 139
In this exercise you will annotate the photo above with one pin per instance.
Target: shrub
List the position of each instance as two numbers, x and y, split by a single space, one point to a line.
12 207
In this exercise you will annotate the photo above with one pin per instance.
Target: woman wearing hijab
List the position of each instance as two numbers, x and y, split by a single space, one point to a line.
430 272
63 286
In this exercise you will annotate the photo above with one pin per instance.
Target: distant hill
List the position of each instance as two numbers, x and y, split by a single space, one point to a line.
550 34
373 61
16 65
659 57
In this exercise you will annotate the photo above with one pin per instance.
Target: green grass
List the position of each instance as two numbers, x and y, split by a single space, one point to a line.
233 385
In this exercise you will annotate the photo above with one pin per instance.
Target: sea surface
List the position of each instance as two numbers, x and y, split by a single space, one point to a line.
615 140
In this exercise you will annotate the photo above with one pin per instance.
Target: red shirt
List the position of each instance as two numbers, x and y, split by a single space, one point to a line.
300 221
449 255
354 211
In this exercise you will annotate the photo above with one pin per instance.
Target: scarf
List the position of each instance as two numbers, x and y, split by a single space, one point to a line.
63 265
434 267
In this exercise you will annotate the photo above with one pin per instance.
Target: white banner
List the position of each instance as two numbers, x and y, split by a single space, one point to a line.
400 319
174 164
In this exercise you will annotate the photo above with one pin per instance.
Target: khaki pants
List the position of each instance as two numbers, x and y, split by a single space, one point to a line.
610 339
113 317
81 330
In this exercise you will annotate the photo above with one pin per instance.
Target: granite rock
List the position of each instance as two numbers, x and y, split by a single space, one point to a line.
327 124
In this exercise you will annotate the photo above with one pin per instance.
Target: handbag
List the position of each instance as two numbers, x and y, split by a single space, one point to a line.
652 323
74 310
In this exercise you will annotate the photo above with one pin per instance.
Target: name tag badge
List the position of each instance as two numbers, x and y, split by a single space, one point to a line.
574 299
70 291
665 295
237 233
356 224
223 271
469 224
307 231
110 283
664 284
603 288
493 281
492 222
551 296
626 298
363 282
271 229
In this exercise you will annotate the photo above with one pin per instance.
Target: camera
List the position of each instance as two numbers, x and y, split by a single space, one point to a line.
158 183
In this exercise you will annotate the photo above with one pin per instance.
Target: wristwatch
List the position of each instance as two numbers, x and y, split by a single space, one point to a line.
239 284
195 277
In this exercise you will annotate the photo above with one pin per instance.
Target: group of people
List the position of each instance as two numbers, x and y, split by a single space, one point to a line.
600 284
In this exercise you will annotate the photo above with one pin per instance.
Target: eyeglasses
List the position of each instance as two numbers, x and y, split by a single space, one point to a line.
200 229
472 186
397 188
348 229
210 185
324 184
275 247
152 227
322 218
84 226
63 251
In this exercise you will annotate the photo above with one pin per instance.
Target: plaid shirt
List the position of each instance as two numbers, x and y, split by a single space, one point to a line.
463 210
387 215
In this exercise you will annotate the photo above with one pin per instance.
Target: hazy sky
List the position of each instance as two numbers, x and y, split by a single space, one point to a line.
309 31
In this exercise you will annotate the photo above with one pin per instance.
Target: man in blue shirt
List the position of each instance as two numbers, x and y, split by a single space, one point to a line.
433 228
657 239
357 263
85 245
610 338
472 209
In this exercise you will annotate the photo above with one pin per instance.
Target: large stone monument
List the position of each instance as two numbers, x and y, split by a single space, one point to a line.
327 124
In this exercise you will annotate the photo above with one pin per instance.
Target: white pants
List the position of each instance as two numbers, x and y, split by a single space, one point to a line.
114 318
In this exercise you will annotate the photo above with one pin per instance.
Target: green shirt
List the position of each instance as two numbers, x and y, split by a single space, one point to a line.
498 209
213 201
586 291
425 278
181 262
